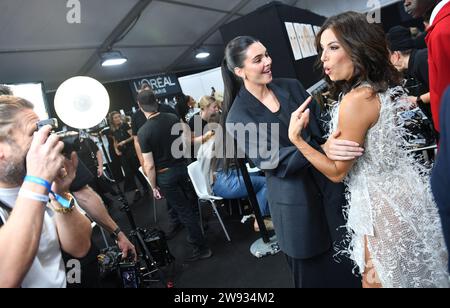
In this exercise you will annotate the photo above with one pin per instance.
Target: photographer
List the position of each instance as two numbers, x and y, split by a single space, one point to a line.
35 228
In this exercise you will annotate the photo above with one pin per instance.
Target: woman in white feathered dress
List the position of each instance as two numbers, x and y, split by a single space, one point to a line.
394 230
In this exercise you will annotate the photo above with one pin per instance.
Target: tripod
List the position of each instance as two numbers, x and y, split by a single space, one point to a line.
266 245
136 233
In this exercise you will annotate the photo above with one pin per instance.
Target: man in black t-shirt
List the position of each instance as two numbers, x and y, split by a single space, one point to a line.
168 175
138 120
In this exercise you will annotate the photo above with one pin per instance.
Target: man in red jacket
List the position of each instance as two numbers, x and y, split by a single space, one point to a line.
438 41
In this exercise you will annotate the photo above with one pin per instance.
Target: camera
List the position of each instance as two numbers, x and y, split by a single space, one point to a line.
130 275
113 267
418 128
70 139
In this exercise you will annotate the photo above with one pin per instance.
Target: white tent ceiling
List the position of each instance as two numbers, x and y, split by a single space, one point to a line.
38 44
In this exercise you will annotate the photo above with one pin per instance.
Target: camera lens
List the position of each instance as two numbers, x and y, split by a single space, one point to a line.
71 142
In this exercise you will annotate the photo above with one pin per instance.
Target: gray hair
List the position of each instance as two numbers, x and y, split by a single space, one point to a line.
10 106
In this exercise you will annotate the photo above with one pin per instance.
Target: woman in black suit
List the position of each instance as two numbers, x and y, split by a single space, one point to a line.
306 207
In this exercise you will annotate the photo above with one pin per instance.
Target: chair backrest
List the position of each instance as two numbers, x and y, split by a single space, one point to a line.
198 180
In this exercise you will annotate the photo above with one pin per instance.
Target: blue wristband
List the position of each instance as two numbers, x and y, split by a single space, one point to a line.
38 181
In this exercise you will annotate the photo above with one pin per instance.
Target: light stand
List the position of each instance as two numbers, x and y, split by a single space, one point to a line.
82 102
136 233
266 245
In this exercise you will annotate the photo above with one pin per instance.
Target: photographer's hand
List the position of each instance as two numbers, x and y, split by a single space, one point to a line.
44 158
66 175
126 246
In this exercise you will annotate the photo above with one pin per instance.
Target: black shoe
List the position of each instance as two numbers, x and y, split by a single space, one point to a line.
198 254
173 230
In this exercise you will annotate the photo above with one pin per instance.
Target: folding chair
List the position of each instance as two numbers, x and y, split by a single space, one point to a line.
199 183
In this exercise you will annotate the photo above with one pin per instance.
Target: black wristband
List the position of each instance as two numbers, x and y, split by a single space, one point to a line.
419 100
115 233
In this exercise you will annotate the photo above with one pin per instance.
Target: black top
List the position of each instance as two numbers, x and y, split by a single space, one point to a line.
283 116
122 134
156 137
88 154
138 119
195 118
418 68
419 41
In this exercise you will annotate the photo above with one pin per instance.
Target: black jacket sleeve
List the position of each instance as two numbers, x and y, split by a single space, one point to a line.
288 159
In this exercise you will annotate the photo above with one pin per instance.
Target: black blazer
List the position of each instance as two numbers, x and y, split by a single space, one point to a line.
440 179
306 207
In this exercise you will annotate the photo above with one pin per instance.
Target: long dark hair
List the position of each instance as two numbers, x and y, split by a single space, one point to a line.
367 46
235 55
182 107
111 122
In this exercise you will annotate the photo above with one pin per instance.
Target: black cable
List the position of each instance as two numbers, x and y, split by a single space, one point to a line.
132 25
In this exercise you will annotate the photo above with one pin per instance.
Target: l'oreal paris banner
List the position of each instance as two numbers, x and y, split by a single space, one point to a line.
162 85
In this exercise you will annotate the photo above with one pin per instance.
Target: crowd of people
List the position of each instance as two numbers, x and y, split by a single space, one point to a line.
349 204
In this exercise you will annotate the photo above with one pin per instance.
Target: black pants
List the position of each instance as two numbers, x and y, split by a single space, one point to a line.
172 215
322 272
178 191
130 167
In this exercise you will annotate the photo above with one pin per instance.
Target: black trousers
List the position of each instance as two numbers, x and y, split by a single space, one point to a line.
179 193
130 167
323 272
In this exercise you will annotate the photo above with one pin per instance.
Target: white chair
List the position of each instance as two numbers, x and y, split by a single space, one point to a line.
199 183
141 170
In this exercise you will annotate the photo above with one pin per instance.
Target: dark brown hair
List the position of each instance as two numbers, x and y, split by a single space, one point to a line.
367 47
235 56
110 119
147 101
